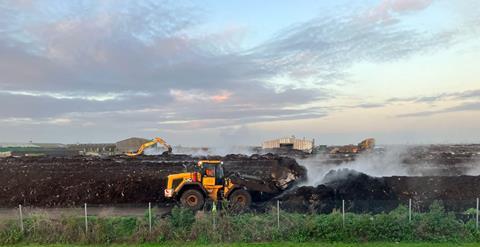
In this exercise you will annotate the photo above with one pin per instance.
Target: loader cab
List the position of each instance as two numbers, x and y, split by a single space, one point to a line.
212 172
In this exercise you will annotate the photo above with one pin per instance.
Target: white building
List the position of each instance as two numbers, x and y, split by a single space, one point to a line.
290 143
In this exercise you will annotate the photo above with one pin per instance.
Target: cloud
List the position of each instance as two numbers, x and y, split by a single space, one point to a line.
221 96
465 100
430 99
30 121
78 95
147 65
370 105
320 52
197 96
186 96
469 106
386 10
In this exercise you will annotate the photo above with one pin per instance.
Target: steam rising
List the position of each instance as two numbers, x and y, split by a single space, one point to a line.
391 162
221 151
395 160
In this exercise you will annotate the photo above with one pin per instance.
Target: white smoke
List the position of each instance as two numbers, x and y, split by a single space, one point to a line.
377 164
473 169
221 151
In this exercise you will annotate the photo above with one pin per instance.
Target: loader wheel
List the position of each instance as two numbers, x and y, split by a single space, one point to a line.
240 200
192 199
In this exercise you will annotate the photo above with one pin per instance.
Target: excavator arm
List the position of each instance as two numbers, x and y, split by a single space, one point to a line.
149 144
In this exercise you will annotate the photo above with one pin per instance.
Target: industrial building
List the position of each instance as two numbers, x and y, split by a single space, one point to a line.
92 149
290 143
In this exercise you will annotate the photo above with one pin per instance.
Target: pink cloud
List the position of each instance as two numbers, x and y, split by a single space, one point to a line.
410 5
386 9
195 96
221 97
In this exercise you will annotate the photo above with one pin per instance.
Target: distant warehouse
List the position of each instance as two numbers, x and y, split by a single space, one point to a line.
290 143
130 144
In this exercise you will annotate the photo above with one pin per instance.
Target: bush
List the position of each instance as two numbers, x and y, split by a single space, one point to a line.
223 227
10 233
182 218
439 226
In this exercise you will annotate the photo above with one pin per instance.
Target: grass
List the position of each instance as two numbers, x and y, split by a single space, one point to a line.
435 226
280 244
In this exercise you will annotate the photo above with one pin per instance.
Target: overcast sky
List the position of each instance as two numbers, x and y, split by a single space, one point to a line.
215 73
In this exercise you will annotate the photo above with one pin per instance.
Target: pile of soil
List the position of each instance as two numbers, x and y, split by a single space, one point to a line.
364 193
458 193
443 155
308 199
71 181
428 160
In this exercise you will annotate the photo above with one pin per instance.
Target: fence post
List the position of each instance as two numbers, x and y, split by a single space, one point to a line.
410 210
214 214
343 213
21 217
477 212
86 219
278 214
150 217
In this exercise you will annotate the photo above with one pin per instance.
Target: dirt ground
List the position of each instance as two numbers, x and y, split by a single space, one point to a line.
441 172
72 181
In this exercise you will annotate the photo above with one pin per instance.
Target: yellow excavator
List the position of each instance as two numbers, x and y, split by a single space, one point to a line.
207 180
148 144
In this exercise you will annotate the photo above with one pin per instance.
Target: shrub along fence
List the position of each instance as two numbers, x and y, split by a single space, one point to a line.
401 224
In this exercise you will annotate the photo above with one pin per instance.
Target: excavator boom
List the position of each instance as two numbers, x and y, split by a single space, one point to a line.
149 144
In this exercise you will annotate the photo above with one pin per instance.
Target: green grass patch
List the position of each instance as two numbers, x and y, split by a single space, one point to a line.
183 226
280 244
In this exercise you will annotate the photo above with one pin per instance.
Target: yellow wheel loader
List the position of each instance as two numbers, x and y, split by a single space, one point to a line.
206 181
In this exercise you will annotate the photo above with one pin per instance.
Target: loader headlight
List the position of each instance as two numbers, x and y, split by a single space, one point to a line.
168 192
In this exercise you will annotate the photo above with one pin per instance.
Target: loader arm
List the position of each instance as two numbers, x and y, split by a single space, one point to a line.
149 144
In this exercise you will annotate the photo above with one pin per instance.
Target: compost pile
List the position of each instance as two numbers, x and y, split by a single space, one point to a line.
71 181
424 160
364 193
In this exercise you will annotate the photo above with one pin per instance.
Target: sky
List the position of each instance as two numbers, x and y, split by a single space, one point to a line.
216 73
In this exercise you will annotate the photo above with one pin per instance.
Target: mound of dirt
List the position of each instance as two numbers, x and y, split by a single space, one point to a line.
320 199
70 181
353 185
457 193
364 193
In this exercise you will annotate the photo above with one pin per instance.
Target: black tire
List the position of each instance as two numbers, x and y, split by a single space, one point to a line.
192 199
240 200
